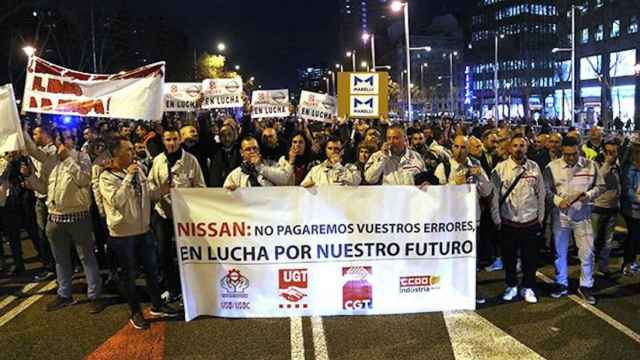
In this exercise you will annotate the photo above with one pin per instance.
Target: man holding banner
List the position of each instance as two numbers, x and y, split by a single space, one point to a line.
255 171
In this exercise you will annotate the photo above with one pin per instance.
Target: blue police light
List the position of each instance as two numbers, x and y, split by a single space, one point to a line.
66 121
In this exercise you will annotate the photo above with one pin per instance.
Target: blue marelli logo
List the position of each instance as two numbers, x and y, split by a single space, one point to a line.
357 80
357 103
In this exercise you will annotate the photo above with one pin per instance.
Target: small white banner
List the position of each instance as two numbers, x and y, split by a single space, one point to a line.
289 251
222 93
318 107
11 136
181 97
270 103
135 94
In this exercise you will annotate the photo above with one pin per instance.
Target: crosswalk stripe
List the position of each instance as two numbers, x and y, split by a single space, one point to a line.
297 339
597 312
475 338
9 299
25 304
319 341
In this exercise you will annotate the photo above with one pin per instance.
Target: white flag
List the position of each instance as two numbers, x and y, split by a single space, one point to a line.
11 137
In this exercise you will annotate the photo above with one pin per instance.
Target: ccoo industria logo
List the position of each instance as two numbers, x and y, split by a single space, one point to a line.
234 284
419 284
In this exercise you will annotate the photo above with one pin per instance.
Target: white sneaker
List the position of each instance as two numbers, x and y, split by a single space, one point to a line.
528 295
510 293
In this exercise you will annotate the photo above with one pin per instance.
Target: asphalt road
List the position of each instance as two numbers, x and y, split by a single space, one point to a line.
552 329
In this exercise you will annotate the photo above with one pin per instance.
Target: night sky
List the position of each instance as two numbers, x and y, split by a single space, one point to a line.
268 39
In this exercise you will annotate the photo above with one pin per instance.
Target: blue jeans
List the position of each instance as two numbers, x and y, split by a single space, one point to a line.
80 235
128 250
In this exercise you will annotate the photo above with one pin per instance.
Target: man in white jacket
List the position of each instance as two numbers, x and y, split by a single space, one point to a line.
68 189
256 171
332 171
394 164
126 198
181 170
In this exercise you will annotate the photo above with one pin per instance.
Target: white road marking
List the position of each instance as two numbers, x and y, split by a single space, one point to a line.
297 339
25 304
319 341
9 299
597 312
475 338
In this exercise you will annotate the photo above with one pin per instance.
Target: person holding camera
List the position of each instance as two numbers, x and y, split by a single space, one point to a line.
332 171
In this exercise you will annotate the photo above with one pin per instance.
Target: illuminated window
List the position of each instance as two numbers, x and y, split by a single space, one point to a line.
633 25
615 28
599 32
584 36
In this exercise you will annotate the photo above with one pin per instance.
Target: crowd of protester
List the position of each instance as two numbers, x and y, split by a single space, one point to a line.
96 195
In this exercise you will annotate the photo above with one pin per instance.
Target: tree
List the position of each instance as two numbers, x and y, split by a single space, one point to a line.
212 67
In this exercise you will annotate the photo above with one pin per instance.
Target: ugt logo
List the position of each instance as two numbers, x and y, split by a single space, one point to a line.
357 292
292 287
234 284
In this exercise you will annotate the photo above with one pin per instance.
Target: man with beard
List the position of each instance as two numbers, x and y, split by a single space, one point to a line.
593 147
462 170
225 156
518 209
149 138
200 147
573 183
181 170
270 145
332 171
430 158
254 171
394 164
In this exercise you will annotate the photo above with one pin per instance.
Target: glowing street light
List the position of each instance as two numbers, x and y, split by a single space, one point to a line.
397 6
352 55
252 79
222 47
237 67
29 50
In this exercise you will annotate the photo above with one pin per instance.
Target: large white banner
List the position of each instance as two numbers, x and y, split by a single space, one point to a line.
222 93
289 251
318 107
181 97
270 103
11 137
135 94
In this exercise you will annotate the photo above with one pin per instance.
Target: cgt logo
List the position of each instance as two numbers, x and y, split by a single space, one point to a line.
419 283
357 292
292 287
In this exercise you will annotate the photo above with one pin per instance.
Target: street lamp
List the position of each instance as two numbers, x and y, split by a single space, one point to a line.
424 65
451 55
386 67
364 65
326 79
29 50
396 6
352 55
495 75
339 66
237 67
221 47
333 81
252 79
366 37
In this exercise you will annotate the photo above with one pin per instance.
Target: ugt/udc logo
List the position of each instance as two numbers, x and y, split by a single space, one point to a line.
292 287
357 292
234 284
